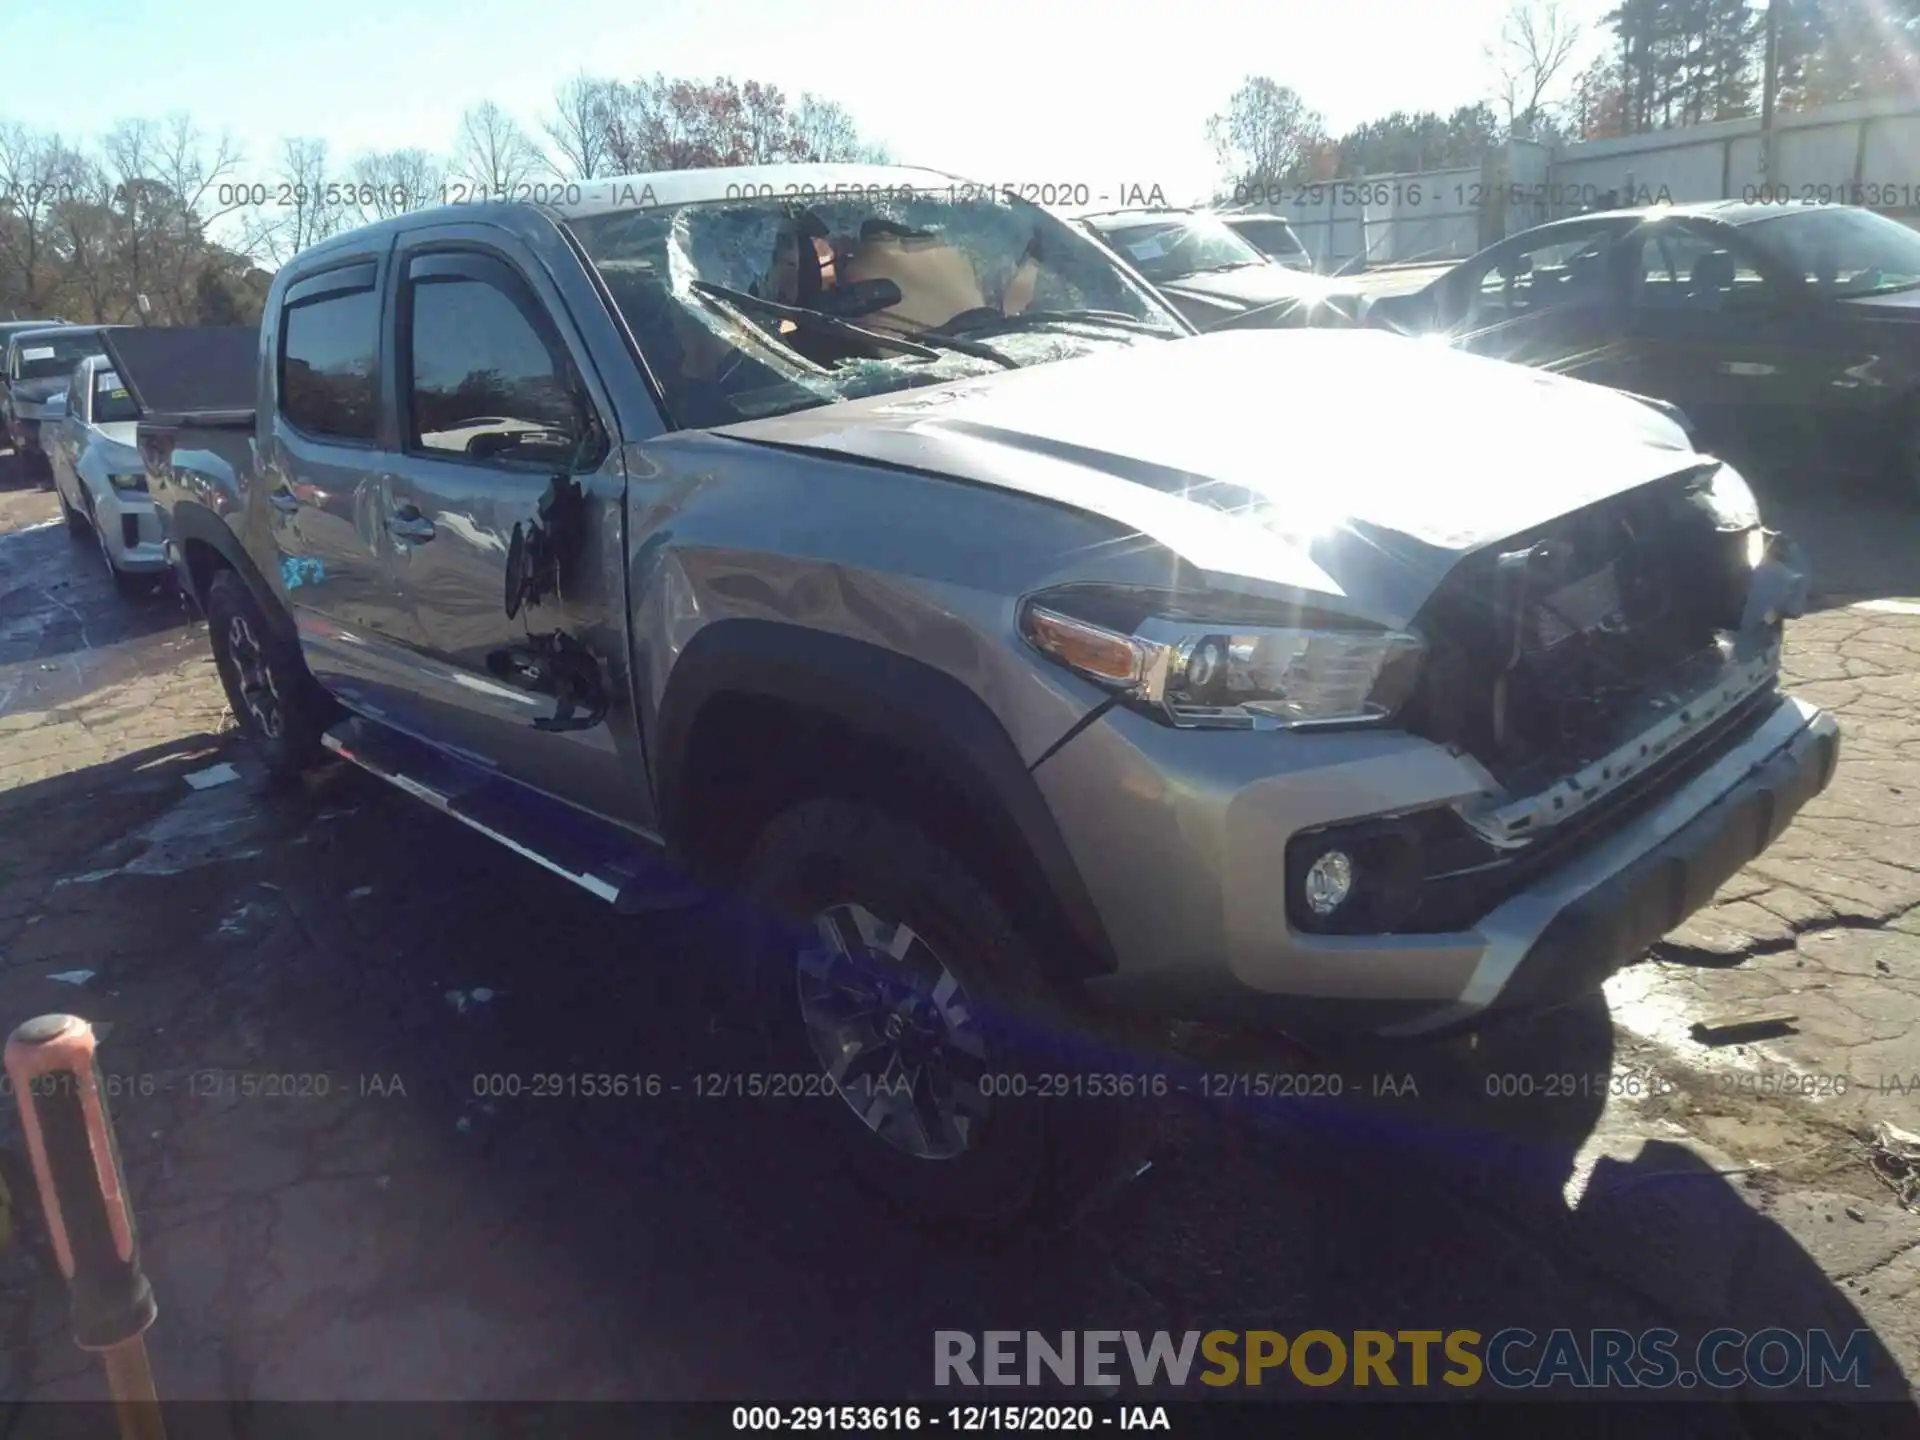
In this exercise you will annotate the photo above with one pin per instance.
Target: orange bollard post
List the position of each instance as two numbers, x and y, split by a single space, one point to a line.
84 1194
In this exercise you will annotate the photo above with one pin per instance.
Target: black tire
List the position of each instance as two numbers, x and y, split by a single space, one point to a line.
77 526
278 706
1031 1159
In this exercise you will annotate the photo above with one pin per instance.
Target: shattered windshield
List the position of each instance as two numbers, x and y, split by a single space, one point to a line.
1178 246
760 306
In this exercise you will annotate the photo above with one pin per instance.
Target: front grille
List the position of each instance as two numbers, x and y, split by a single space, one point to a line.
1536 644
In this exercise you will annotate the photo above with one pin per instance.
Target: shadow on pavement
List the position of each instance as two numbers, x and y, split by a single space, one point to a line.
57 601
442 1237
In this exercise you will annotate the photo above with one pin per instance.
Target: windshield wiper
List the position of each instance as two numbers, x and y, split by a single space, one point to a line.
846 329
811 319
1029 319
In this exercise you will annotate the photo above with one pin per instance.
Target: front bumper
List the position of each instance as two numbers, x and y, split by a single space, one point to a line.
1198 915
130 529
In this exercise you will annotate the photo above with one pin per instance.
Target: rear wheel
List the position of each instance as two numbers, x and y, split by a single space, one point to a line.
882 965
276 703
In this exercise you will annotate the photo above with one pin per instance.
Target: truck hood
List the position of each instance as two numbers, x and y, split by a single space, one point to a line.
1349 464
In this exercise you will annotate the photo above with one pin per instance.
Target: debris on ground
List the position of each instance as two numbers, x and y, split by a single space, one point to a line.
1740 1030
221 774
73 977
1894 1155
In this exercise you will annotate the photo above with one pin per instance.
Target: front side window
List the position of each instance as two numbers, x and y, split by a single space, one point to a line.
329 350
487 382
762 306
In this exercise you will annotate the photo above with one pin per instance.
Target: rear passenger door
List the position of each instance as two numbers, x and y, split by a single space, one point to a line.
498 409
324 478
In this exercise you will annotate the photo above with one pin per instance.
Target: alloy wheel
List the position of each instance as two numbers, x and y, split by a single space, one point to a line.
253 677
894 1030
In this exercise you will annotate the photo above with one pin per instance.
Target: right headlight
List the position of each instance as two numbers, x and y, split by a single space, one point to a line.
1233 675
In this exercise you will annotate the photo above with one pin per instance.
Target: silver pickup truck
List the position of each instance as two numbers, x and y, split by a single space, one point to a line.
878 554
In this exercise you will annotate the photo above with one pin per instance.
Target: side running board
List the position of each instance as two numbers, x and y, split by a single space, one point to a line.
625 868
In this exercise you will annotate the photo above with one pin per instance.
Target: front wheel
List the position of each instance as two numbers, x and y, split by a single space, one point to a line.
268 689
885 966
76 522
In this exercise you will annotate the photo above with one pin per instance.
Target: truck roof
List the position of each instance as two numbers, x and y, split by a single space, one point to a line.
579 199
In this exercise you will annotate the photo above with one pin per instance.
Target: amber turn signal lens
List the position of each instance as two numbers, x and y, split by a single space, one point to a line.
1089 649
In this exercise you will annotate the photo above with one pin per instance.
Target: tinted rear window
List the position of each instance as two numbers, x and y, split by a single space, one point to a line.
328 352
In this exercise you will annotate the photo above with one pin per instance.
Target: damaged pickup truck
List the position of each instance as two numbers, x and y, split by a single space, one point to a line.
883 551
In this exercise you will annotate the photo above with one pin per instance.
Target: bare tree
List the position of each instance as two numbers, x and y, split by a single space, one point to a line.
386 183
493 153
579 126
1537 42
1266 134
299 212
826 131
38 173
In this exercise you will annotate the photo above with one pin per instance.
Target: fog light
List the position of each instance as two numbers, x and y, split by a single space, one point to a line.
1328 882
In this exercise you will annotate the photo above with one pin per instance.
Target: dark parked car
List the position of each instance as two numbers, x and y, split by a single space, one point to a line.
37 366
1273 237
1796 323
880 549
1214 276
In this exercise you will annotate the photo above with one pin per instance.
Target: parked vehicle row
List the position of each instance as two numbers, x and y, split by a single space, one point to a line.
903 577
1206 267
39 363
1795 325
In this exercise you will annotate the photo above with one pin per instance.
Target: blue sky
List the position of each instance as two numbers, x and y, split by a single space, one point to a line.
1000 90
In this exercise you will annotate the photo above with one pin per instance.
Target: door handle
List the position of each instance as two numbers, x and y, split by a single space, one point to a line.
407 523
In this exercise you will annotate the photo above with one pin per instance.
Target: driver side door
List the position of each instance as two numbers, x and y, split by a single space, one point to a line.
495 402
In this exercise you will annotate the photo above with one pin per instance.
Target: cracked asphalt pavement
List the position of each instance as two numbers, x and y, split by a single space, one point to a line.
302 997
